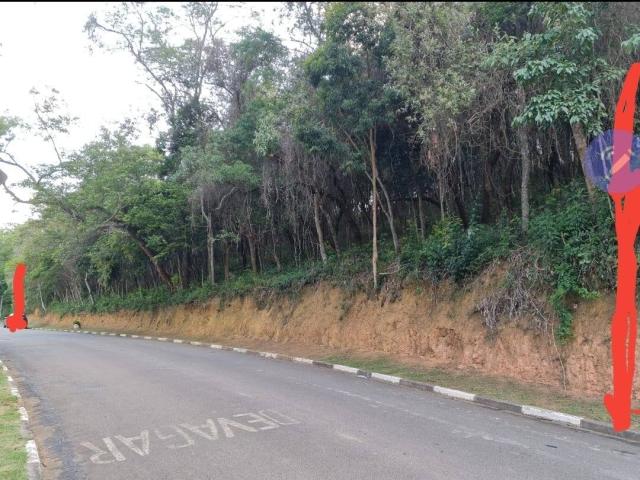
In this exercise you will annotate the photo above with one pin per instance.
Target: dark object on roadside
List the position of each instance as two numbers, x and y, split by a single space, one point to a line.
24 317
76 325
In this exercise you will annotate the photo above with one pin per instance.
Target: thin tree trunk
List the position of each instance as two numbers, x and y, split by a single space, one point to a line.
316 219
441 192
162 273
276 258
581 144
210 241
86 282
374 205
212 266
389 214
252 253
525 162
44 309
332 230
421 215
226 261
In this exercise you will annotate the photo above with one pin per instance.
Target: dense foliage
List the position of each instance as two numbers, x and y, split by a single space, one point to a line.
398 140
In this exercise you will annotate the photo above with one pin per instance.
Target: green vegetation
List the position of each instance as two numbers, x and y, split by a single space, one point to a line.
13 456
397 141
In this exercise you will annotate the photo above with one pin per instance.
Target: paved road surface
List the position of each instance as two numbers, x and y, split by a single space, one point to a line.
119 408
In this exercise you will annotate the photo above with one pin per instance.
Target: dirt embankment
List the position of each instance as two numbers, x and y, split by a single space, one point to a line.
429 327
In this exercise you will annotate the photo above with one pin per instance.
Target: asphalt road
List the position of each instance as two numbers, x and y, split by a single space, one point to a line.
119 408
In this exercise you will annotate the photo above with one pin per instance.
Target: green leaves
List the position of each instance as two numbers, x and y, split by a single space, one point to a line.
561 67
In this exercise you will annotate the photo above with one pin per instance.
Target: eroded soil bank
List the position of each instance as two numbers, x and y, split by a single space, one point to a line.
436 328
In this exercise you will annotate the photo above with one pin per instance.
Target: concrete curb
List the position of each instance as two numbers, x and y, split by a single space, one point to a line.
530 411
34 466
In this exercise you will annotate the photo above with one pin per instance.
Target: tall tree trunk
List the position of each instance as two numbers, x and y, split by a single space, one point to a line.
86 283
525 162
44 309
210 241
162 273
441 192
389 214
316 219
332 230
421 215
210 250
252 253
226 261
581 144
374 206
274 246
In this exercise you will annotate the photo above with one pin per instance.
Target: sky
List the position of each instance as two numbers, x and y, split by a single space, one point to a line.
43 45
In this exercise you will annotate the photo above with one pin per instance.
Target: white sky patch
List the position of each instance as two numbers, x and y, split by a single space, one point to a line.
43 45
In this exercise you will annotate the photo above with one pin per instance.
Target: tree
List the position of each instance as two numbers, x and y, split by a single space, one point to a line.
564 70
349 73
178 73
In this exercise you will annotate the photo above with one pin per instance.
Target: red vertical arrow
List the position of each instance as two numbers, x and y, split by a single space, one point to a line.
625 192
15 320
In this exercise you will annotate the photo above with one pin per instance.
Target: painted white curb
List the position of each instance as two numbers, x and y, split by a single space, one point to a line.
344 368
32 452
551 415
385 378
302 360
449 392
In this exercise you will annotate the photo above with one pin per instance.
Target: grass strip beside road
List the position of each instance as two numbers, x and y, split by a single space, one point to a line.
486 386
13 456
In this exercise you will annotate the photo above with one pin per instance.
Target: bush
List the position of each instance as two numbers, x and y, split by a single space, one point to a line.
577 246
451 252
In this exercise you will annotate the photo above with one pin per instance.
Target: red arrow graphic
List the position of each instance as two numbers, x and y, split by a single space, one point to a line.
15 320
625 192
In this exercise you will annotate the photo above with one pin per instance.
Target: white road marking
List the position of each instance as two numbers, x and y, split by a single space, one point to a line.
24 416
551 415
344 368
227 423
177 437
385 378
269 425
113 450
302 360
350 437
188 440
449 392
32 452
141 450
